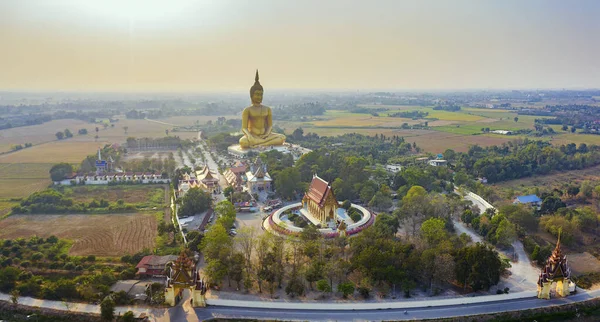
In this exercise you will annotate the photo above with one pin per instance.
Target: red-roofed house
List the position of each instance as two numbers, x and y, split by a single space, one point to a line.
154 265
319 201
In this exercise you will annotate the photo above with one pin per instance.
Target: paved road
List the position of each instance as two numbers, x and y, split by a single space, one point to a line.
185 312
391 314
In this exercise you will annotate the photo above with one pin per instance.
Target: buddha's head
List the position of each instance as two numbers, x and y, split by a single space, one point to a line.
256 91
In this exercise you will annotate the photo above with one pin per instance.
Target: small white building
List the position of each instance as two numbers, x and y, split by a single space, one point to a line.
503 132
393 168
438 163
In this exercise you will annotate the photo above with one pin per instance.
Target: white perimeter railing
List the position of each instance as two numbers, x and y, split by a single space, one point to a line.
365 218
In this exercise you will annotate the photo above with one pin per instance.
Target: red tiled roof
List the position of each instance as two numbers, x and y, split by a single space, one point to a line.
144 261
238 170
318 190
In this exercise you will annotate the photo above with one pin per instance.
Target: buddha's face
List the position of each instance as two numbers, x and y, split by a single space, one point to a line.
257 97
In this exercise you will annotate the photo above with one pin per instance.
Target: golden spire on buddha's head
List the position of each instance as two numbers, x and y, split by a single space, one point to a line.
256 86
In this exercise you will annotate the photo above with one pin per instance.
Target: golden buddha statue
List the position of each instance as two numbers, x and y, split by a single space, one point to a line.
257 121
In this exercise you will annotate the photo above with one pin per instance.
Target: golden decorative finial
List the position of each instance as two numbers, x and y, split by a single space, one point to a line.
256 85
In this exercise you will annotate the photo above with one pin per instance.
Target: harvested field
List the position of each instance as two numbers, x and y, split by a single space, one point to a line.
70 151
21 188
25 170
36 134
437 142
100 235
134 194
19 180
582 263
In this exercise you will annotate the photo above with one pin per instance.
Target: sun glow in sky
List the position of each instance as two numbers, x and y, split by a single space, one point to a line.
206 45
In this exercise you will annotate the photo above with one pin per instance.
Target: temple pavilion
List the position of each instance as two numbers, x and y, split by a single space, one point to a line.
319 204
257 178
556 271
208 179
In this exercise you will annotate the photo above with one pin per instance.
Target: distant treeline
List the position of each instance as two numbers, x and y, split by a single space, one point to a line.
449 108
410 114
298 112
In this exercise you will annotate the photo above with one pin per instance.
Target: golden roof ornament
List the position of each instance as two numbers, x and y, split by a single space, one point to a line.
257 86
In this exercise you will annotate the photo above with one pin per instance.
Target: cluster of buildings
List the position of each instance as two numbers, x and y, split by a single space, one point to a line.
204 179
114 177
253 178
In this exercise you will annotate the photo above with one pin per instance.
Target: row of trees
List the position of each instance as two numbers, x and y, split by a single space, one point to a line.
523 158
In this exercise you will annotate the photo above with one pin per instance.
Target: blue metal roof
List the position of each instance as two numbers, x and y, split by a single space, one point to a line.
529 199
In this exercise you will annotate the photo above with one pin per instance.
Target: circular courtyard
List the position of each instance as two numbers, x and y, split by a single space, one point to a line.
288 221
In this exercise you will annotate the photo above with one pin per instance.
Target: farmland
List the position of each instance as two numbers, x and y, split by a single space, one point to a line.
100 235
18 180
143 196
453 130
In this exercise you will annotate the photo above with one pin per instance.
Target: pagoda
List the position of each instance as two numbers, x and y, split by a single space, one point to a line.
556 271
183 274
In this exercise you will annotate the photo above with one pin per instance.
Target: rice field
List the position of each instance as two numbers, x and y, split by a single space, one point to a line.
100 235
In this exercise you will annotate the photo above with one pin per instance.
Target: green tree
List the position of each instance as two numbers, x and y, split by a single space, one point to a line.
551 204
287 182
59 171
60 135
68 133
14 296
516 119
8 278
433 231
216 247
323 286
194 202
227 192
380 201
505 233
107 309
225 211
128 317
478 266
346 288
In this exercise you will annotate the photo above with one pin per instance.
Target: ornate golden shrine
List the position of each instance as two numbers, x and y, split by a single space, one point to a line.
556 271
183 274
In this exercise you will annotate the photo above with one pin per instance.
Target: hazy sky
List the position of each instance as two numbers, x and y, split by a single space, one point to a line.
205 45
